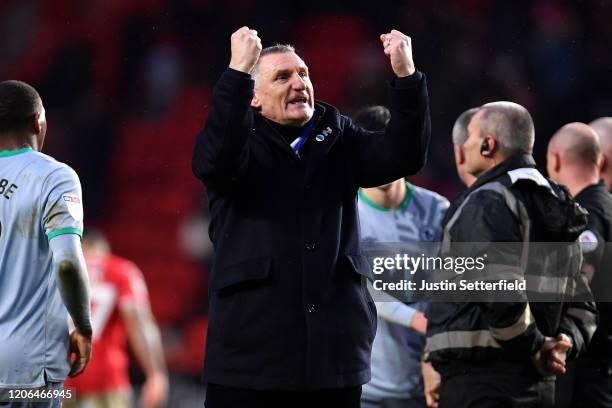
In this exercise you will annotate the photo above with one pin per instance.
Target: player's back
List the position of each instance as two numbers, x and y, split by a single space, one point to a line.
40 198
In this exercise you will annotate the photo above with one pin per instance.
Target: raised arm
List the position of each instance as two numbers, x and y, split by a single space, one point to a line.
380 157
220 150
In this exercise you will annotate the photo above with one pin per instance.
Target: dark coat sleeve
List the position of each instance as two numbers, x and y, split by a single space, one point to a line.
579 319
381 157
220 152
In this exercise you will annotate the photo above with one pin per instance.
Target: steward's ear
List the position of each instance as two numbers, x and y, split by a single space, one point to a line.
556 162
492 145
459 155
603 164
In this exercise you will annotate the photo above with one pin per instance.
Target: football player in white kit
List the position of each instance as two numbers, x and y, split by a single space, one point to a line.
42 271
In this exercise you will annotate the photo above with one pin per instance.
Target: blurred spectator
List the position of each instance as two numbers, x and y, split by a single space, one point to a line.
120 312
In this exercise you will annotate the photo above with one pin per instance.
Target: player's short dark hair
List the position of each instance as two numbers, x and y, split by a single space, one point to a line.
372 117
19 102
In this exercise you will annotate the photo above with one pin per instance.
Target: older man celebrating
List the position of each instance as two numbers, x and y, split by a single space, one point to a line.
290 322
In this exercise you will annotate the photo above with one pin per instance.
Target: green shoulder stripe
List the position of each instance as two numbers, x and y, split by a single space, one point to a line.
9 153
65 231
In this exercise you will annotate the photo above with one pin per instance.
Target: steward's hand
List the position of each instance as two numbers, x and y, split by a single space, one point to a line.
246 46
550 359
398 47
431 382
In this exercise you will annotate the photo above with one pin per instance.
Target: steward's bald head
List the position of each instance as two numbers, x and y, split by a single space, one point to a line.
577 143
603 127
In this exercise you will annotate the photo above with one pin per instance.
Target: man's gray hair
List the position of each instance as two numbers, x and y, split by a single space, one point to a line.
274 49
460 131
510 125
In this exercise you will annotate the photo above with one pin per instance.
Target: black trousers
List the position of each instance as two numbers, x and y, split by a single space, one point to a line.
496 390
587 383
221 396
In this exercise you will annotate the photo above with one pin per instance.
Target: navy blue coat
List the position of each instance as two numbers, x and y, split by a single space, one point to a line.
287 306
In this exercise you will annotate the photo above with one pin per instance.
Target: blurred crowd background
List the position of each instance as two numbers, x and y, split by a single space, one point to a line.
127 84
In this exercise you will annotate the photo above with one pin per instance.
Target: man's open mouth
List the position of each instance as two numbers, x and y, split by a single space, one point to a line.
296 101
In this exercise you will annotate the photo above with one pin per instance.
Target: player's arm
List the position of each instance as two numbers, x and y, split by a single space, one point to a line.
73 285
62 218
395 311
220 151
144 338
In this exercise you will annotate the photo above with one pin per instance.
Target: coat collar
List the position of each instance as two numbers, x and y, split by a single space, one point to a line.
323 136
511 163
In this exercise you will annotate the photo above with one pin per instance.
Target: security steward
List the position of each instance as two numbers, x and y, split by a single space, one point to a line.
575 159
504 354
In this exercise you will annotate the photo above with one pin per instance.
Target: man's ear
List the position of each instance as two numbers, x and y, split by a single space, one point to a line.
459 155
255 102
37 123
492 145
603 164
556 162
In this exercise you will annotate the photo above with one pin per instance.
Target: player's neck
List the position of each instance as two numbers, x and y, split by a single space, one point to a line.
389 197
12 141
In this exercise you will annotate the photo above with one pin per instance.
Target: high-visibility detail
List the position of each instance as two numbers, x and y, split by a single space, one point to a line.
516 329
461 339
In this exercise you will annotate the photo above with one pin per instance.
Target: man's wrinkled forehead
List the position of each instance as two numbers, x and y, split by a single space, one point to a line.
271 64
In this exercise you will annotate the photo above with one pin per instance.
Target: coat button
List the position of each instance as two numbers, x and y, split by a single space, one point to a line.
311 308
311 246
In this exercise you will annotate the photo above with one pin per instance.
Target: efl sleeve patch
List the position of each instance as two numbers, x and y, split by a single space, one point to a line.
63 208
588 241
74 205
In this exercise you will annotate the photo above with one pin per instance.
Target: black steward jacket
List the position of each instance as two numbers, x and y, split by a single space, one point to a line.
287 307
500 335
598 203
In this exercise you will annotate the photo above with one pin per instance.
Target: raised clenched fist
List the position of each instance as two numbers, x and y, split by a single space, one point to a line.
399 49
246 46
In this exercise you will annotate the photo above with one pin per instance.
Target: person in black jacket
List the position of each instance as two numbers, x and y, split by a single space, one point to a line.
603 127
289 319
460 135
494 353
574 159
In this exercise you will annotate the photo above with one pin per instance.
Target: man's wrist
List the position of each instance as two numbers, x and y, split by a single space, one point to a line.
408 72
85 331
241 67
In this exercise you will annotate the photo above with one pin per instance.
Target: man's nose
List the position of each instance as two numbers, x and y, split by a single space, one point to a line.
298 83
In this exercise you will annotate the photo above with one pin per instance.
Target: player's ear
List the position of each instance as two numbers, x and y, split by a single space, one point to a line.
36 123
